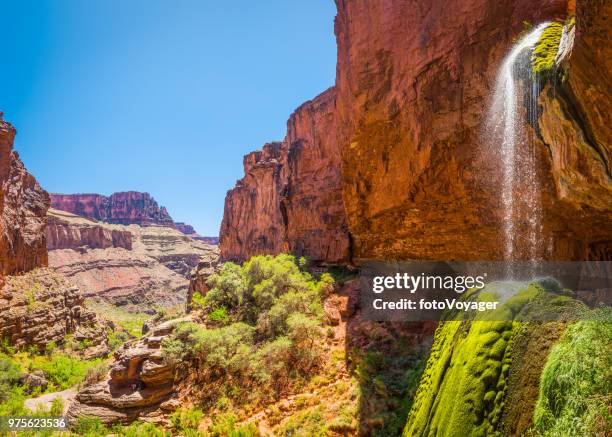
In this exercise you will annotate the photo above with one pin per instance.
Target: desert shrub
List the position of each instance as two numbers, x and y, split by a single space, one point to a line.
184 420
219 315
9 376
224 425
90 427
64 371
96 373
140 429
271 312
116 339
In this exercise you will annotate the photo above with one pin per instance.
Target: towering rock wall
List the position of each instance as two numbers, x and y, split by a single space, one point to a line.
130 207
401 137
290 197
23 205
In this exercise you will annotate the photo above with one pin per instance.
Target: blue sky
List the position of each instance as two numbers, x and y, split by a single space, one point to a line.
158 95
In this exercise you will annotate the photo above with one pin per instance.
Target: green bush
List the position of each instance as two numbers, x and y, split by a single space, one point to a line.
116 339
272 316
140 429
224 425
64 371
219 315
185 419
90 427
9 376
576 383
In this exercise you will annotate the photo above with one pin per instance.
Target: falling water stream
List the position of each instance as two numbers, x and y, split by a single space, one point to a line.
514 102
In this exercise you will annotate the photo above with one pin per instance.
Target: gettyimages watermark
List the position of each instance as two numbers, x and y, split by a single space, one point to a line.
528 291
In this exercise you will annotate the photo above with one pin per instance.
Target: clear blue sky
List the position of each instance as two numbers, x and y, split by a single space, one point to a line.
158 95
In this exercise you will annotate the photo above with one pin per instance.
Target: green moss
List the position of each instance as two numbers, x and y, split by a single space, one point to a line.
545 51
576 384
463 389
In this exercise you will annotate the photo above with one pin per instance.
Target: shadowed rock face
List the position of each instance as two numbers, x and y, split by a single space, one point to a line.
130 207
290 197
400 137
23 205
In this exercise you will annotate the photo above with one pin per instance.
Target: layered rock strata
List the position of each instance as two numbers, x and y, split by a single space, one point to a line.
129 207
67 231
124 265
139 384
42 307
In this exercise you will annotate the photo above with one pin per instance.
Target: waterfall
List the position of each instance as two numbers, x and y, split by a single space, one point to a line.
514 103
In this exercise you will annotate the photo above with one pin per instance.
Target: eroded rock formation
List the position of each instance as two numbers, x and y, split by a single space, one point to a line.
400 136
129 207
199 277
23 205
41 307
139 384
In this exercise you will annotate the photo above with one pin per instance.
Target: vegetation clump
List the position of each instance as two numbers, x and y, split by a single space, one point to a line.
262 331
545 51
465 383
576 384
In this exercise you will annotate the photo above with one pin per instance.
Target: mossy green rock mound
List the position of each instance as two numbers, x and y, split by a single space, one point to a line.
545 51
478 375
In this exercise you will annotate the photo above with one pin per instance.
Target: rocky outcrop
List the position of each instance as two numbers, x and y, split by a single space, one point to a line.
125 265
140 383
400 137
42 307
129 207
23 205
290 197
67 231
199 277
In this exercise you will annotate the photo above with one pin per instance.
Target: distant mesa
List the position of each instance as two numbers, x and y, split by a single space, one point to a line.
124 208
190 232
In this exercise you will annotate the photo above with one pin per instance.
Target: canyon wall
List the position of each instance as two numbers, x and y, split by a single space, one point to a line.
23 205
393 162
38 305
129 207
290 197
134 266
66 231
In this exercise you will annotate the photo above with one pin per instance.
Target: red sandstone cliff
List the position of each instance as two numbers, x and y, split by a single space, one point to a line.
23 205
394 155
290 197
130 207
66 231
